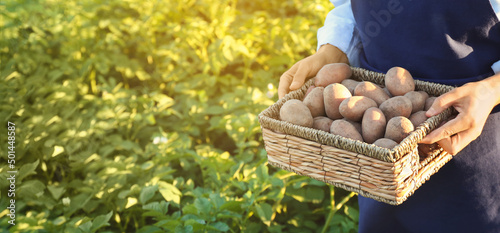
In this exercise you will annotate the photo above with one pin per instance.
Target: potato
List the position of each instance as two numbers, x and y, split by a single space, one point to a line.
425 150
354 107
417 101
315 102
387 91
398 128
350 84
429 102
424 94
356 125
296 112
332 73
371 91
373 125
333 95
309 90
399 81
322 123
385 143
418 118
396 106
345 129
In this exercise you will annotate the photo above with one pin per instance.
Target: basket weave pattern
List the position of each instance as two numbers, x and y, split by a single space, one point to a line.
390 176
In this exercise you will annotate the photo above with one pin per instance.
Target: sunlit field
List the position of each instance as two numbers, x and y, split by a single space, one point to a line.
141 116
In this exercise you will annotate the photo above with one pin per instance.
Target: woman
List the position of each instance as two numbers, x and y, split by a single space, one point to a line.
451 42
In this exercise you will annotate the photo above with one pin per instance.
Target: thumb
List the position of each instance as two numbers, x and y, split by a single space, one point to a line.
299 78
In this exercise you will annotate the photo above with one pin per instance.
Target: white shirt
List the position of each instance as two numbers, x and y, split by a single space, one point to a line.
339 30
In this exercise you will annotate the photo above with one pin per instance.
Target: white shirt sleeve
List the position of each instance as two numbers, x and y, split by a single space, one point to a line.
496 67
338 30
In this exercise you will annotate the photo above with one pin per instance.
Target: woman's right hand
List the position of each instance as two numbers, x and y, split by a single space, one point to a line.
308 67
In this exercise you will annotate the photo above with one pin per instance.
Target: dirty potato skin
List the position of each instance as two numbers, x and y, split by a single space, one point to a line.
385 143
296 112
372 91
345 129
356 124
332 73
373 125
417 100
425 150
333 96
309 90
354 107
322 123
315 102
399 81
398 128
396 106
350 84
418 118
429 102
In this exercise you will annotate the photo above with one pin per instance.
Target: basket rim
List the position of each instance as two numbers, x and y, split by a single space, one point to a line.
268 119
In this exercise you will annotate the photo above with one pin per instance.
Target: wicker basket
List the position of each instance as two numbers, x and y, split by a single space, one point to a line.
390 176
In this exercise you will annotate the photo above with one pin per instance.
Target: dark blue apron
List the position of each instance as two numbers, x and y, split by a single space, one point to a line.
449 42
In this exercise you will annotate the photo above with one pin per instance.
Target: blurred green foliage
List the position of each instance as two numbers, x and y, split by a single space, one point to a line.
141 116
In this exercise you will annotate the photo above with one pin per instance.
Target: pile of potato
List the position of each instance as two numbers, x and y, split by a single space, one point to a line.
361 111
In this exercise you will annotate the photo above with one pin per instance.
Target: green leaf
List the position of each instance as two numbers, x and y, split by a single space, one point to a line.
150 229
169 192
221 226
275 181
77 202
101 221
59 220
190 209
56 192
309 193
147 193
217 200
226 214
234 206
351 213
160 207
203 205
85 227
31 189
150 119
26 170
265 212
57 151
214 110
262 173
184 229
106 150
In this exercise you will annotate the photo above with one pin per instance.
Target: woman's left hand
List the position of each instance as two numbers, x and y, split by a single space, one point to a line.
474 102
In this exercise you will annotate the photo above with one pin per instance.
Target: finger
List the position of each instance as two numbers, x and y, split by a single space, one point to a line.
285 81
463 139
450 128
299 78
284 84
442 102
445 143
458 142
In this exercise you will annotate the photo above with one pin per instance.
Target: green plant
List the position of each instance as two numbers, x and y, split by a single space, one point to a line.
142 116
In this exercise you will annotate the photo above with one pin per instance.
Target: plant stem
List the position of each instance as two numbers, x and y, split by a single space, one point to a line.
335 208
